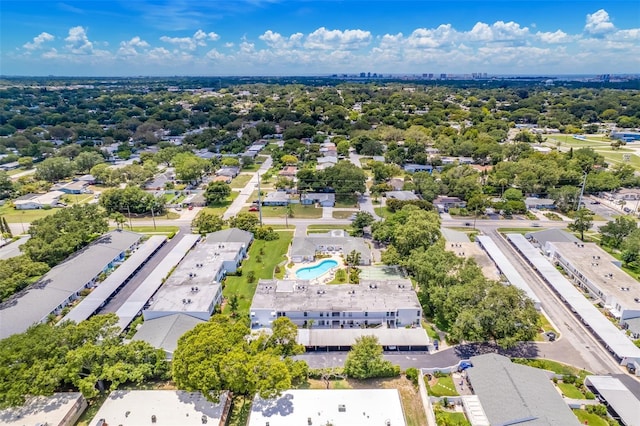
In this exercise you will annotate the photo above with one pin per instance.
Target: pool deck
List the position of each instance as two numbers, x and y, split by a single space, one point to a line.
324 278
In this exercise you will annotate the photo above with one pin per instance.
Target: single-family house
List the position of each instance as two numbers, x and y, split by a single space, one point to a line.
402 195
288 171
444 203
160 181
276 198
195 199
324 162
38 201
229 171
9 166
75 187
624 194
539 203
89 179
324 199
396 183
412 168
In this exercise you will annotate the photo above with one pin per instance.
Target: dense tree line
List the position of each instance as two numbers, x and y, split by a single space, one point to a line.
453 291
89 357
55 237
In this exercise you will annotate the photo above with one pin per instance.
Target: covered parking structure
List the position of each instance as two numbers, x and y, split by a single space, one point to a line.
507 268
115 281
137 301
391 339
614 339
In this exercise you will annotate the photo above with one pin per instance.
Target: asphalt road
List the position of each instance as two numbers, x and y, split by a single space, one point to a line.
246 192
583 351
118 300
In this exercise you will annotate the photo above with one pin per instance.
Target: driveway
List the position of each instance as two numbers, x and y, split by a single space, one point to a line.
246 192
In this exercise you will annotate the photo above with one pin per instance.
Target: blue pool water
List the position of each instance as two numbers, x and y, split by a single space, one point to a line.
315 271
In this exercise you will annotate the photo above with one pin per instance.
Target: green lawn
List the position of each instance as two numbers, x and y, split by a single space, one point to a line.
299 211
554 366
443 387
431 332
518 230
164 230
23 216
589 418
328 227
383 212
221 207
241 180
341 214
77 198
346 204
570 391
451 418
273 253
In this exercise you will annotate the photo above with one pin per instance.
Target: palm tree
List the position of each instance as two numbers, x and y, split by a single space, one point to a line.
119 219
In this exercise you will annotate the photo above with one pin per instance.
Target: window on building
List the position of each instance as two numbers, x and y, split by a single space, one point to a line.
305 314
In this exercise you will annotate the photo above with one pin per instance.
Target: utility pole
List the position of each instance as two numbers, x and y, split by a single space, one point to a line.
259 202
584 181
129 211
153 217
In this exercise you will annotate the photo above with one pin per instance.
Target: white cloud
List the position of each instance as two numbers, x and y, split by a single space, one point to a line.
553 38
325 39
78 41
213 54
277 41
130 48
199 38
599 23
38 41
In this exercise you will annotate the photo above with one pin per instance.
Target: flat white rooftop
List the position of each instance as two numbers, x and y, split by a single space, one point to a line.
369 295
618 397
615 339
170 408
57 409
343 407
600 268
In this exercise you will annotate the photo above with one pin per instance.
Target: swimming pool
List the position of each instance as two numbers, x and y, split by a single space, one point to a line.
312 272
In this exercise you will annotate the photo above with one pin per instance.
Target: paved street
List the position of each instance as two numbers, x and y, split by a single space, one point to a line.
246 192
584 350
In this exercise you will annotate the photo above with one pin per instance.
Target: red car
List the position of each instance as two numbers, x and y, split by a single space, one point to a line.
253 209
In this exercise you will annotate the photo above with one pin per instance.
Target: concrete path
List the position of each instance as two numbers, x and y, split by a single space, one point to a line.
327 213
13 249
246 192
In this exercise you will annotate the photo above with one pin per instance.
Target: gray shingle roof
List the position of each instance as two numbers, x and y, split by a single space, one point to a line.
231 235
164 332
512 393
36 302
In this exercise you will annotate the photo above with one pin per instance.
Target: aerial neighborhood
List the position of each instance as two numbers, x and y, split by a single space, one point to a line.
319 251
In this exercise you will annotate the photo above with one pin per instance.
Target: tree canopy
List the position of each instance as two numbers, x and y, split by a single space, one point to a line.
87 356
218 355
365 360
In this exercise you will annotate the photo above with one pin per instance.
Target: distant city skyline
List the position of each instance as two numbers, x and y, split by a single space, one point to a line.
271 37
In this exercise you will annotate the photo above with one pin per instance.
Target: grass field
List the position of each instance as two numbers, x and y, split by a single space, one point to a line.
299 211
23 216
570 391
341 214
241 180
600 144
273 252
451 418
518 230
431 332
554 366
328 227
221 207
589 418
383 212
159 230
441 386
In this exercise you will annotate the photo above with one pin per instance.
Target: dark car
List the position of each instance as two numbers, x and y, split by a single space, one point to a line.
595 202
551 336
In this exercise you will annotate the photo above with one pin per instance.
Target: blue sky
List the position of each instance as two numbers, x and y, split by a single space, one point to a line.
272 37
